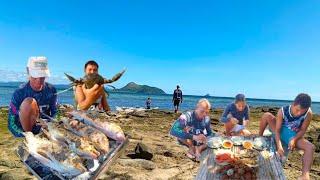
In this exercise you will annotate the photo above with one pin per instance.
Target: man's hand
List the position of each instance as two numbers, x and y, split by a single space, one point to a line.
245 123
42 124
187 129
280 151
74 123
94 93
200 138
234 120
292 144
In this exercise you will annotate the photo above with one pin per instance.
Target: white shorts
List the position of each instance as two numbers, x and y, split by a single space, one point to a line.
237 128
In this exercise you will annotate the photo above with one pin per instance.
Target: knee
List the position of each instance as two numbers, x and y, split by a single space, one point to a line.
29 104
29 101
310 147
229 125
267 116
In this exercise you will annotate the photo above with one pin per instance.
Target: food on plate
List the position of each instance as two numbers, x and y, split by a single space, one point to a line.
249 157
224 157
265 154
227 144
247 144
235 170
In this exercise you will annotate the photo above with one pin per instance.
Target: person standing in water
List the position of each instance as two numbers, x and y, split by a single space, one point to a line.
148 103
177 98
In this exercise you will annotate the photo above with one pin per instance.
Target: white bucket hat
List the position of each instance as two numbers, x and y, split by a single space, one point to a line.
38 67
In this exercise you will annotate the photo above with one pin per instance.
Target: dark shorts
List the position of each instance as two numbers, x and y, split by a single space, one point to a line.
176 102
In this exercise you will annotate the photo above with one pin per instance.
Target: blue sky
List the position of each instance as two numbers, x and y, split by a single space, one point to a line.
265 49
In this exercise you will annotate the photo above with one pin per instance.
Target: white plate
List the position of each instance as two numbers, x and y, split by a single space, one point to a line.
259 143
214 142
237 140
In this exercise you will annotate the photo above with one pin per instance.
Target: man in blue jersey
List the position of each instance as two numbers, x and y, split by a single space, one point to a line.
177 98
31 99
193 127
289 126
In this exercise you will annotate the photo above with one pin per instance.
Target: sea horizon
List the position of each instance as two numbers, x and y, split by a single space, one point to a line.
161 101
61 87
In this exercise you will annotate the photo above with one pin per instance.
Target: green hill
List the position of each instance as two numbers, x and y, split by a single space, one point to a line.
140 89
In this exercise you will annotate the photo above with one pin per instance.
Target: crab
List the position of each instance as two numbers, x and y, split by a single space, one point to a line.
91 79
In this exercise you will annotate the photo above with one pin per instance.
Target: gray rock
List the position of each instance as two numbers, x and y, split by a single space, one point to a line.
141 152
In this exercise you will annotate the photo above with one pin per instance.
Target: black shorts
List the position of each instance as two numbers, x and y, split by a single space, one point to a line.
176 102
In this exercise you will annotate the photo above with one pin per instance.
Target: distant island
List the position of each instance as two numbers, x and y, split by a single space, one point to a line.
129 88
139 89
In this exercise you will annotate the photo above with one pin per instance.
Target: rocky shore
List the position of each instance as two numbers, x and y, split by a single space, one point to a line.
157 156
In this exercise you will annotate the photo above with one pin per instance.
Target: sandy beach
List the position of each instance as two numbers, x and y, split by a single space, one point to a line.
152 129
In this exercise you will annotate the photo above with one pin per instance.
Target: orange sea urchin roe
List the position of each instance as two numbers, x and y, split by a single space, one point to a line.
247 145
227 144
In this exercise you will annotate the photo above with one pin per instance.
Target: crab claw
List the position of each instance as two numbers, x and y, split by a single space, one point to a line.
73 80
115 77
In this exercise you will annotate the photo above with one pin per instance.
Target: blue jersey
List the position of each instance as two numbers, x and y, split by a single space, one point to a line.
231 111
47 103
196 126
291 122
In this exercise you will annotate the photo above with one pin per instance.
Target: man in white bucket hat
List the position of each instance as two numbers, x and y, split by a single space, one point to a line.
32 98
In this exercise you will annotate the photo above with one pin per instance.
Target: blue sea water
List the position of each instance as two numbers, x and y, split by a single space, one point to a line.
138 100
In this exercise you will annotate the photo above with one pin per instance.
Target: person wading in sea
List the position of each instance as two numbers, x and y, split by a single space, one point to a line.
177 98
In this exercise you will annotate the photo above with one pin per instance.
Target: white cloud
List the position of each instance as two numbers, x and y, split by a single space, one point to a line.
10 75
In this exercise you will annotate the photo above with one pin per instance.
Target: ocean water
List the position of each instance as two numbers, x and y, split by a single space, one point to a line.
160 101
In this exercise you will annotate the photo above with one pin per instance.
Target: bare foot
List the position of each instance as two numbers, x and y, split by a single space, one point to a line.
197 157
304 177
191 155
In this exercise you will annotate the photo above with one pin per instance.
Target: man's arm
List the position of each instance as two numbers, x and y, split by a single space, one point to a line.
79 95
177 129
279 120
224 118
246 117
208 127
13 116
104 103
304 126
53 104
173 95
302 130
246 123
86 97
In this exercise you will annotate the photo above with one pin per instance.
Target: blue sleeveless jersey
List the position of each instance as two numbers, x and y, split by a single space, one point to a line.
47 103
291 122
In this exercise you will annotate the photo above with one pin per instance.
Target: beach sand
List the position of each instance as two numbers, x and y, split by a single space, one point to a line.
152 129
